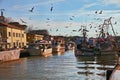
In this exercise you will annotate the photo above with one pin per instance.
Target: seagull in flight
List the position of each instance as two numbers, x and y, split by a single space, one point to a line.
56 30
80 29
51 9
85 30
115 22
95 30
95 12
31 10
23 21
71 19
90 26
47 18
100 12
73 16
74 30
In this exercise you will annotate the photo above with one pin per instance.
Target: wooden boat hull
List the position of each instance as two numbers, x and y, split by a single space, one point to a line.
47 52
39 52
34 52
39 49
58 49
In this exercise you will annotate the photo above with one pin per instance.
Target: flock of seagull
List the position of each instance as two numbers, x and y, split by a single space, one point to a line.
71 18
83 28
32 10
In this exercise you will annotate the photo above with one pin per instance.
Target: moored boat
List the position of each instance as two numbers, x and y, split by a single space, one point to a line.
84 51
39 49
70 46
58 47
83 48
105 43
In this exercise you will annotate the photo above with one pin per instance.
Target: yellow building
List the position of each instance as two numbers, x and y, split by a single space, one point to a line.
31 37
12 35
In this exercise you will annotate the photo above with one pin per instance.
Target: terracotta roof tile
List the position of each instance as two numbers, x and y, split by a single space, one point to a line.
12 26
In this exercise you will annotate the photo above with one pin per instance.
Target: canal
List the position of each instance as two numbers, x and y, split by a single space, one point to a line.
58 67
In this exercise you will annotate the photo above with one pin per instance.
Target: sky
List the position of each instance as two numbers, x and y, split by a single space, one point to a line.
66 17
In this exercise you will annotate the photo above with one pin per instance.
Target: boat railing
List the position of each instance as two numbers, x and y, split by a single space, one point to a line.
39 45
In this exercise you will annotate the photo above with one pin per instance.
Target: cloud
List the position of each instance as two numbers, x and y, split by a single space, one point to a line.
48 2
18 7
88 6
111 2
81 14
29 5
75 25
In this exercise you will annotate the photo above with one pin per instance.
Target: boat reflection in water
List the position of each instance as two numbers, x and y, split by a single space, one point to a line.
59 53
95 67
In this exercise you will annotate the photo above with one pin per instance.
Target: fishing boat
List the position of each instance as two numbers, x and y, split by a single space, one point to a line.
83 48
84 51
70 46
58 47
107 46
108 43
39 49
105 43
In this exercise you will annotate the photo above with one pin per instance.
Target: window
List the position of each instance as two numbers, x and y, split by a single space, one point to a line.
22 35
9 34
17 43
19 34
14 44
0 34
16 34
13 34
22 43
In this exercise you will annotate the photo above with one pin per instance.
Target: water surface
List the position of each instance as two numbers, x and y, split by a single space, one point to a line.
58 67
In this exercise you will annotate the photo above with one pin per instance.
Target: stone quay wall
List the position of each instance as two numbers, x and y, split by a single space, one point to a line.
9 55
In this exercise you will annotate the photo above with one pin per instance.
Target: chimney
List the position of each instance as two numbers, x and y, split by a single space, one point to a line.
1 13
2 19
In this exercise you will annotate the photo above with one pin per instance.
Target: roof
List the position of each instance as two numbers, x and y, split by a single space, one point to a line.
40 32
34 34
22 27
17 24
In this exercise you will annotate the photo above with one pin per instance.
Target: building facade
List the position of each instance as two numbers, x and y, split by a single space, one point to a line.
12 36
31 37
45 34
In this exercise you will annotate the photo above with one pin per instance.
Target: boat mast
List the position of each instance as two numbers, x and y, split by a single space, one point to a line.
111 25
84 33
105 27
